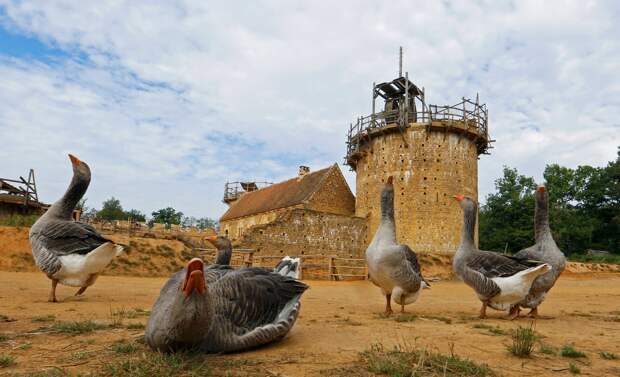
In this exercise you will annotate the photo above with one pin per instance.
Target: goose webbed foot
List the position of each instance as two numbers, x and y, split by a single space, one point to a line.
483 311
80 291
533 313
52 296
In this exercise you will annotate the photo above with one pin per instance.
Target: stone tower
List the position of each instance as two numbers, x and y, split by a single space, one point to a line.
432 153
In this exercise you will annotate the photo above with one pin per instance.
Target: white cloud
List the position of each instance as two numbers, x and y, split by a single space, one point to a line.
173 99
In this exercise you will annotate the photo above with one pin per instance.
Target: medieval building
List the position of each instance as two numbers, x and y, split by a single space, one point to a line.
313 213
432 153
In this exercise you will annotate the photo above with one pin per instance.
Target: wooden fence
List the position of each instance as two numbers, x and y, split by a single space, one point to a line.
313 267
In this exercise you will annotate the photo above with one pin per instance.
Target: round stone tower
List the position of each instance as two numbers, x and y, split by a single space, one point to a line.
432 153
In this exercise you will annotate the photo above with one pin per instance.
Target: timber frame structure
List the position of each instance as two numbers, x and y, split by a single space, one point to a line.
405 104
233 190
25 190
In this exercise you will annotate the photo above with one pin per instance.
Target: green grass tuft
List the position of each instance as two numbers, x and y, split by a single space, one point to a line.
18 220
523 339
25 346
135 326
547 350
570 351
44 318
574 369
6 360
157 364
123 347
608 355
406 318
402 361
77 327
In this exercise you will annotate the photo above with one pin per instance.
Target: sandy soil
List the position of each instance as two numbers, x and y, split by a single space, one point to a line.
338 320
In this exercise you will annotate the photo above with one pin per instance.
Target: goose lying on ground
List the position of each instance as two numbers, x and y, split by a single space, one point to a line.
219 309
224 249
499 281
393 267
70 252
545 250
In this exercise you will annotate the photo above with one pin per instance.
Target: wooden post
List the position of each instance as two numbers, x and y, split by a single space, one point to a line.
330 268
300 267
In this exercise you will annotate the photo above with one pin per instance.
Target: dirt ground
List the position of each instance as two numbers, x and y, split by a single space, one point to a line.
338 320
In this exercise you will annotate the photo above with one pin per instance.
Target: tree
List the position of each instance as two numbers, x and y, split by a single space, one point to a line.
506 220
111 209
135 215
206 222
167 216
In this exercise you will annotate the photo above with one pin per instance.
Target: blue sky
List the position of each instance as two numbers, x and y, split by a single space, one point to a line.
167 101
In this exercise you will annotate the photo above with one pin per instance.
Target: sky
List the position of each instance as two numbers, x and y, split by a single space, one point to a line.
166 101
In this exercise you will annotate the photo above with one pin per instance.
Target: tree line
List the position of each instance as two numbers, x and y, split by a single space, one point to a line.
584 206
112 209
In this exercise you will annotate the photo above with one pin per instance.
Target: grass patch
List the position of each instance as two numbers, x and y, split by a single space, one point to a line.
406 318
574 369
570 351
6 360
608 355
609 259
123 347
44 318
158 364
523 339
547 349
25 346
4 338
18 220
135 326
404 361
492 330
77 327
445 320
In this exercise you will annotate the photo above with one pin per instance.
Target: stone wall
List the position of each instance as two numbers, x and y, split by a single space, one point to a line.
235 229
428 170
334 195
307 232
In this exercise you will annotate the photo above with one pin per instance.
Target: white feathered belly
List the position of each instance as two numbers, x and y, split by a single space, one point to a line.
513 290
77 269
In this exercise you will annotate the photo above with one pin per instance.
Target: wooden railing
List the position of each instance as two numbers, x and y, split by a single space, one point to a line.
313 267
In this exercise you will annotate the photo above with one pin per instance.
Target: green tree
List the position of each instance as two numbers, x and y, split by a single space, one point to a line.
135 215
206 222
111 209
506 219
167 216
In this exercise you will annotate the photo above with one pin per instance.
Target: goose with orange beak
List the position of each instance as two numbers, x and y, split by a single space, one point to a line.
545 249
69 252
224 249
499 281
219 309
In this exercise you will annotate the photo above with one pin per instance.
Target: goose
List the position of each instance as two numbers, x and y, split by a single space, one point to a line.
546 250
224 249
394 268
499 281
69 252
218 309
289 266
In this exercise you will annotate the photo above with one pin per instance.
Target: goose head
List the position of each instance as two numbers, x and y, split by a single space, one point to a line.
190 313
81 171
220 242
542 196
466 203
224 247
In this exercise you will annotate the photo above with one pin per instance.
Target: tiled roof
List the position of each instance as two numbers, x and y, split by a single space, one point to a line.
289 193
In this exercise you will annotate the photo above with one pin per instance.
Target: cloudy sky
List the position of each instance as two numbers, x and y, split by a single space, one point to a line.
168 100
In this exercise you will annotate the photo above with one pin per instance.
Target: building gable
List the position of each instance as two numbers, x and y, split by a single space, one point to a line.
333 195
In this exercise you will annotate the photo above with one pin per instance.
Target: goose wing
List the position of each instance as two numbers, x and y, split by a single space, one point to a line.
69 237
493 265
254 306
407 274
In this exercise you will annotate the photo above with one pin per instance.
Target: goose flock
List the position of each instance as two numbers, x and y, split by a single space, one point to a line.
216 308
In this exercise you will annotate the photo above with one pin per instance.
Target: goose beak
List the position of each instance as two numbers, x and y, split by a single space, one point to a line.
74 160
459 197
541 189
194 279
